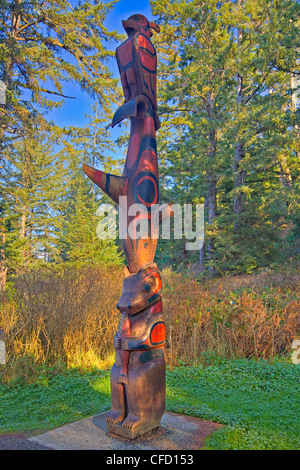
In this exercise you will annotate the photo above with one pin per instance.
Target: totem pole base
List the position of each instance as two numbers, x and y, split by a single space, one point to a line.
131 433
176 432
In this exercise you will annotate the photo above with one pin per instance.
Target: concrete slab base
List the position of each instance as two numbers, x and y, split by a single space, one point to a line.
176 432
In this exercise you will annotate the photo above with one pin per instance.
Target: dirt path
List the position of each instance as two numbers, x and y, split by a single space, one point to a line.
19 441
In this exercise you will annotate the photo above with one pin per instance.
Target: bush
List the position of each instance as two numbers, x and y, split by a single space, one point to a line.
239 316
70 315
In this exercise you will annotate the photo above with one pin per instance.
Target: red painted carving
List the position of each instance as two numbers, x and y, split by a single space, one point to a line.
138 375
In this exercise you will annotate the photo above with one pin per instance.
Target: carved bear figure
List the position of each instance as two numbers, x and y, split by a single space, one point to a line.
138 375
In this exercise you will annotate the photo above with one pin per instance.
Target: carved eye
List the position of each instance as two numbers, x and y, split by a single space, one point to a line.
147 287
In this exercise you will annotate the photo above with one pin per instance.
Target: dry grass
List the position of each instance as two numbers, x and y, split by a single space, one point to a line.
71 315
231 316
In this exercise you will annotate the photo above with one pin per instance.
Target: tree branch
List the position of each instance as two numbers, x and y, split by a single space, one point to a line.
39 89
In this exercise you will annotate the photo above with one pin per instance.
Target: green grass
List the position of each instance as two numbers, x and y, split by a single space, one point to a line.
52 401
258 402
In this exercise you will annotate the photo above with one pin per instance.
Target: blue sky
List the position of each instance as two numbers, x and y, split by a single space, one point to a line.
73 111
125 8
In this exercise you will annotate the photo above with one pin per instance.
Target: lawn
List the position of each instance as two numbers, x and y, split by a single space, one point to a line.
257 401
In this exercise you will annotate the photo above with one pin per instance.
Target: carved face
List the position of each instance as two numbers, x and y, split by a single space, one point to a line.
140 290
139 24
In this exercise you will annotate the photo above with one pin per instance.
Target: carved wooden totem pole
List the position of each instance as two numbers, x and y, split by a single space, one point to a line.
138 375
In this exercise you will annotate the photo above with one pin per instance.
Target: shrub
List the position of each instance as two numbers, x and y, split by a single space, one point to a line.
70 315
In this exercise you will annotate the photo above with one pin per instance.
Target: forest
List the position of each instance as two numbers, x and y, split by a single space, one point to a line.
228 93
229 105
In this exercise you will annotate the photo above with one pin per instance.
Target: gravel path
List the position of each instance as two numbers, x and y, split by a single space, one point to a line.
19 441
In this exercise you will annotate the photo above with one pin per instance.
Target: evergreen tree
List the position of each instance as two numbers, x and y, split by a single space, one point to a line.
31 186
45 45
226 134
93 145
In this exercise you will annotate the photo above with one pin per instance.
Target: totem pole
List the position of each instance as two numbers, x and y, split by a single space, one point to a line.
138 375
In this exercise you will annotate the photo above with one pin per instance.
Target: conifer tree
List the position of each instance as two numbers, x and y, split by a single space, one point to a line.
93 145
31 186
196 54
225 84
45 44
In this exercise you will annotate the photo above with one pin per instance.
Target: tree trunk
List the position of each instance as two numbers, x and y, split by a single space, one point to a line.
285 172
295 102
239 177
295 99
212 210
239 174
202 259
3 268
212 185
